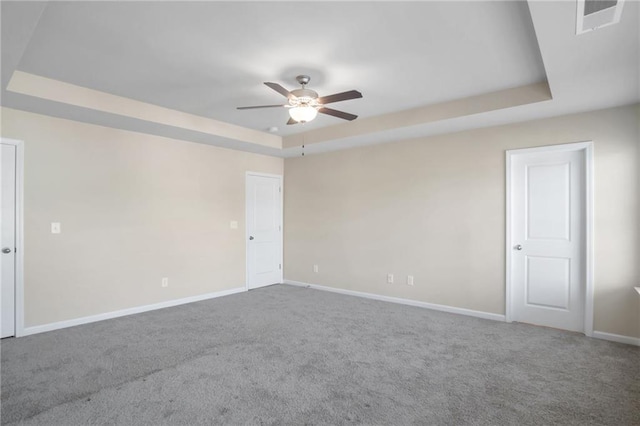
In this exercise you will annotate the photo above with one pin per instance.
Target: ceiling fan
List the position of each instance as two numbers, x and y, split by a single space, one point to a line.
304 104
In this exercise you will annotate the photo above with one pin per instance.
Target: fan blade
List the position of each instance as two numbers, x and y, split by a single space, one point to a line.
344 96
262 106
339 114
284 92
291 121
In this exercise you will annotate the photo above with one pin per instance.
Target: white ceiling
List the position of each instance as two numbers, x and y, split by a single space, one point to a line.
206 58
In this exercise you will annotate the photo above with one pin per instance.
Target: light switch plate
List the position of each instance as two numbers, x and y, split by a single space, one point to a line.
234 224
55 227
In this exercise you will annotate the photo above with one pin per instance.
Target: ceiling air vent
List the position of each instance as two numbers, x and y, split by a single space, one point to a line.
595 14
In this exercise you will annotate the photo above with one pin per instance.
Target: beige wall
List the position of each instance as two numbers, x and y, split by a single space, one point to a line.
434 208
134 208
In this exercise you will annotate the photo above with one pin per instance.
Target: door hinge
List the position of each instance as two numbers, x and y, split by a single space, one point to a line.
280 266
279 189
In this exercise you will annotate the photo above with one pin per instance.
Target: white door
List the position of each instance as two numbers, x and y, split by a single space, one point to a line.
547 244
264 230
8 239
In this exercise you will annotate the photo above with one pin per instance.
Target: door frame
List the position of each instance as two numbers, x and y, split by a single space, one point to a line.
19 267
587 147
246 222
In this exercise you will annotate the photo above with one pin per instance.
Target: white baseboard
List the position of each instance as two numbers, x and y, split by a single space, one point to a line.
617 338
115 314
139 309
433 306
479 314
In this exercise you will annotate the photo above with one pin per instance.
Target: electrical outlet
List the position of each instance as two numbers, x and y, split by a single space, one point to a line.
409 279
390 278
55 227
315 268
165 282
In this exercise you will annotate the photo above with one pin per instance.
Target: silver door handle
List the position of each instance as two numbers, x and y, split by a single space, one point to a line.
518 247
250 237
6 250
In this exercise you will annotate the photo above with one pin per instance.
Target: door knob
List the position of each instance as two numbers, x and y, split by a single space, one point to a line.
251 237
6 250
518 247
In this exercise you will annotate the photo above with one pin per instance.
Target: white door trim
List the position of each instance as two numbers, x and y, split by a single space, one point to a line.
587 147
246 224
19 303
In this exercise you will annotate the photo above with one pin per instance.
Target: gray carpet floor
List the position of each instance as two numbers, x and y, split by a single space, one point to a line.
289 355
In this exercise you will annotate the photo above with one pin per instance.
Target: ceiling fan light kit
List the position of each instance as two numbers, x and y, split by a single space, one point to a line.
305 104
303 114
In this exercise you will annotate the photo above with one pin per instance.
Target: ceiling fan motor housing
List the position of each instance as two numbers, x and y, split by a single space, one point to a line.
304 97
